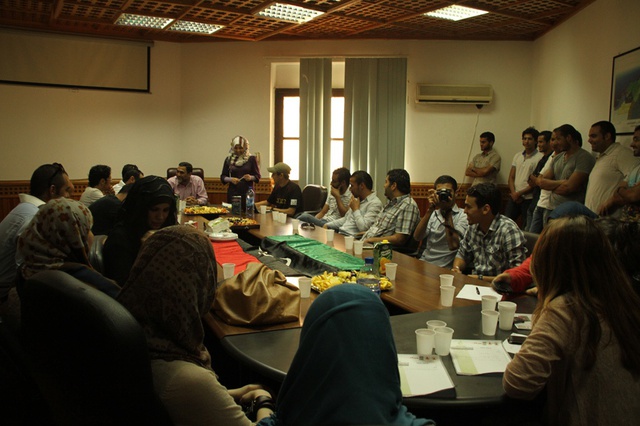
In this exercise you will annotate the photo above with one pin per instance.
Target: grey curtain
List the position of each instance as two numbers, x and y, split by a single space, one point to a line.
315 121
375 116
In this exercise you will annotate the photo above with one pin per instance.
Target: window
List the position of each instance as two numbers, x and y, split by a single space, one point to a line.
287 129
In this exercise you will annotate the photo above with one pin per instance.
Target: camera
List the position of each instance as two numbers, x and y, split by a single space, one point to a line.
444 195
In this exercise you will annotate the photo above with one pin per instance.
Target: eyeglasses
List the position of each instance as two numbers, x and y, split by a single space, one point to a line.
59 169
307 225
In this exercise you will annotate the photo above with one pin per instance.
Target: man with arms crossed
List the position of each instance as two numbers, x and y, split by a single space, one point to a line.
544 147
444 225
523 165
399 218
493 242
337 202
485 166
364 206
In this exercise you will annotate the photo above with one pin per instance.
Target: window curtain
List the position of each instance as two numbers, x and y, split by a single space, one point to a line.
375 116
315 121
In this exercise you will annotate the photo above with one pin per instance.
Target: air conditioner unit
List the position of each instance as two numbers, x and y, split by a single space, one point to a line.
479 94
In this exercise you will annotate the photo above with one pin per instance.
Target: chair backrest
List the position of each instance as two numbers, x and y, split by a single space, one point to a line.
314 197
95 253
171 172
88 354
530 241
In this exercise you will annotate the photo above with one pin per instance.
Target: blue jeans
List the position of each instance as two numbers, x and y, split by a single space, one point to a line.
540 215
309 218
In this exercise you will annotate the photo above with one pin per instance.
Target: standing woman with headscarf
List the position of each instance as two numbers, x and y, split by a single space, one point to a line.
170 289
240 169
149 206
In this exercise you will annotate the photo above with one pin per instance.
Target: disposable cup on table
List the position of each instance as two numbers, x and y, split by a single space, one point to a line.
391 269
348 243
443 340
433 324
425 340
446 279
489 302
507 311
228 270
489 321
305 287
182 204
446 295
357 247
294 225
263 209
329 234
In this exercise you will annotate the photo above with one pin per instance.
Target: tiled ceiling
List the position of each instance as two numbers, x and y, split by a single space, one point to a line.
342 19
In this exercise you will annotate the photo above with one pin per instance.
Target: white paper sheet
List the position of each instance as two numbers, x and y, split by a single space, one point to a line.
472 357
475 292
422 375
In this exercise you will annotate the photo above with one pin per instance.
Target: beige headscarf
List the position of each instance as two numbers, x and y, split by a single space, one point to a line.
170 288
233 158
57 234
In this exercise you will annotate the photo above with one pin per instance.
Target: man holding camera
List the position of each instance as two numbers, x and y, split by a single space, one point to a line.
444 224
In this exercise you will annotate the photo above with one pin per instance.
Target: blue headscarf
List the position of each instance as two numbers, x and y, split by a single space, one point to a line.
346 368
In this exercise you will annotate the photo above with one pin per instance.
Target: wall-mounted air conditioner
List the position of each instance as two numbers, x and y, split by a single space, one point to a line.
479 94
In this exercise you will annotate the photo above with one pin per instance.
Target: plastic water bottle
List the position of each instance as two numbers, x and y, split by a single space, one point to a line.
367 276
251 196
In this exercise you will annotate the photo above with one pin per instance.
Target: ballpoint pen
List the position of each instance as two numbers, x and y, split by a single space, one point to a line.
478 290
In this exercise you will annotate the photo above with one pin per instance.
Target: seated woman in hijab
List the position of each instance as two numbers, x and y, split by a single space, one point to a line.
170 288
584 347
149 206
345 371
240 169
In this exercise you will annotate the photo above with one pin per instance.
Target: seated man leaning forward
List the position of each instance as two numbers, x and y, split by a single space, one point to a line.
364 206
493 242
187 186
337 202
286 196
444 225
397 221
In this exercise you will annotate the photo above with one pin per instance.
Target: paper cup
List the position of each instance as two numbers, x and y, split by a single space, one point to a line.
228 270
357 247
305 287
489 322
263 209
433 324
329 234
446 295
446 279
489 302
392 268
295 223
425 340
348 243
181 205
443 340
507 311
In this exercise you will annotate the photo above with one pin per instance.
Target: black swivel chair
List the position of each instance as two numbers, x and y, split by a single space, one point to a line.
95 253
87 354
530 241
313 198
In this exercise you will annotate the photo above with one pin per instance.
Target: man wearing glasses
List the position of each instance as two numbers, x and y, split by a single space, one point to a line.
47 182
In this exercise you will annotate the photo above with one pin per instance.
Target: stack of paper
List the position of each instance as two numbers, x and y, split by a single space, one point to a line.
475 292
422 375
472 357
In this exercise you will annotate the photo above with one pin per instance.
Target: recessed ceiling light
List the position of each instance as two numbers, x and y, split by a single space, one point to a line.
143 21
456 13
289 13
194 27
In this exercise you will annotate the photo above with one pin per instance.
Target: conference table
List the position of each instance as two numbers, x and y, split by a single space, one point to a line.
415 298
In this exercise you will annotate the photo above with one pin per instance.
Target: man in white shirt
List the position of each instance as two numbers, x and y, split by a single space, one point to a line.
99 184
364 206
337 202
522 166
130 174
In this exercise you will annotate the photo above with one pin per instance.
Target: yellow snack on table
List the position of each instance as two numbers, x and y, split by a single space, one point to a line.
327 280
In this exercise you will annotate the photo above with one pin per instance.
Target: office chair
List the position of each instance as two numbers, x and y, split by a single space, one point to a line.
530 241
95 253
87 354
171 172
313 198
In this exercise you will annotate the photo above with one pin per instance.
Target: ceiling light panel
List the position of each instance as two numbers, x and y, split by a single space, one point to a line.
455 13
289 13
194 27
143 21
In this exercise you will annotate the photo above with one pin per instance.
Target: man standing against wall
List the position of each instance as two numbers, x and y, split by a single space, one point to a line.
522 166
485 166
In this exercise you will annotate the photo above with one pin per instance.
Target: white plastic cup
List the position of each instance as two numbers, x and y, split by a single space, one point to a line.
329 234
443 340
446 279
507 311
228 270
489 322
294 225
433 324
425 340
263 209
446 295
489 302
357 247
305 287
348 243
391 270
182 204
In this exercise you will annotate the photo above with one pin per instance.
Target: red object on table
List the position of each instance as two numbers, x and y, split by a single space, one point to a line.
231 252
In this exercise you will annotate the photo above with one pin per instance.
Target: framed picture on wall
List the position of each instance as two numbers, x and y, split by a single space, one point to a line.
624 110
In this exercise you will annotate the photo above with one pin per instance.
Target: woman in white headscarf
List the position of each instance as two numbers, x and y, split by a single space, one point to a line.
240 169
